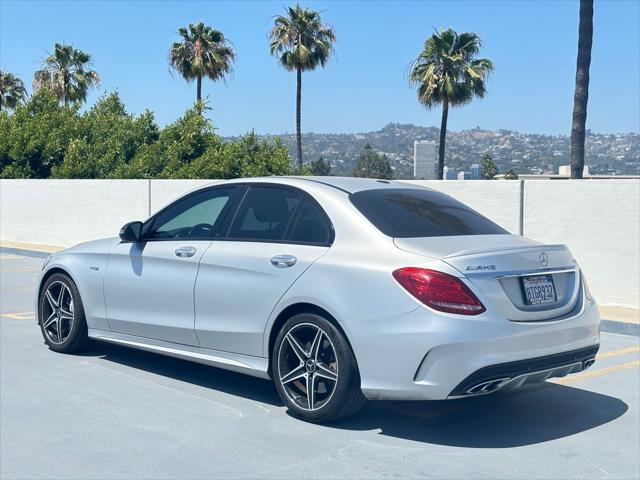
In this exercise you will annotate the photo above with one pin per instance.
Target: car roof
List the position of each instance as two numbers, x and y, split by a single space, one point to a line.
344 184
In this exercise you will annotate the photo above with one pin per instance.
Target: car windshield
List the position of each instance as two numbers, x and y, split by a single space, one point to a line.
417 212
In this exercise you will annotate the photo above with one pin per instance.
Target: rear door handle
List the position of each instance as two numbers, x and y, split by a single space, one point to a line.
283 261
183 252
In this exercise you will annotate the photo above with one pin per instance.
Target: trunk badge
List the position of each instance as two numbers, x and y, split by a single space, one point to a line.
544 259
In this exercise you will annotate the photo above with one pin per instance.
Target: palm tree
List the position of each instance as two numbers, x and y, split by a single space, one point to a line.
302 42
581 95
203 52
447 72
67 74
11 90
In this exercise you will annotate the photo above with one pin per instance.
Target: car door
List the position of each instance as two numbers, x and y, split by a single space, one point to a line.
276 234
148 285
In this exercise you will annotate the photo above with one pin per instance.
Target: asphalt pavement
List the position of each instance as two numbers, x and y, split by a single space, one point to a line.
112 412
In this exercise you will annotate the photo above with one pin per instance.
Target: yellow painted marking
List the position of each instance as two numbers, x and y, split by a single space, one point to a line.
596 373
615 353
20 316
10 257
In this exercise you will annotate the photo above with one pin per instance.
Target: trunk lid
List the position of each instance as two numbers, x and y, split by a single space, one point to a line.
503 267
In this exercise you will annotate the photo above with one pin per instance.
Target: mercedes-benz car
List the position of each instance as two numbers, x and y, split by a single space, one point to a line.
337 289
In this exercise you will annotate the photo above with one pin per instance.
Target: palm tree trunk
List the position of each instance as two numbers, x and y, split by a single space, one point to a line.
581 95
443 136
298 102
199 93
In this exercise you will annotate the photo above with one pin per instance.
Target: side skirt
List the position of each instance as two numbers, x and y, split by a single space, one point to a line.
254 366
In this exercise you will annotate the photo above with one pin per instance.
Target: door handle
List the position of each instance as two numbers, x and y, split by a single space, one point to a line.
283 261
183 252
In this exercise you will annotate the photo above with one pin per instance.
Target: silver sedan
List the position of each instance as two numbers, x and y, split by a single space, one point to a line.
338 289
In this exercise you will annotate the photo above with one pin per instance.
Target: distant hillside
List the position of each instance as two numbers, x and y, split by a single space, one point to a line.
525 153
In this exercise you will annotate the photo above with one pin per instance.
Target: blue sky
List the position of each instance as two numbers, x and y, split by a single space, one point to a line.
532 43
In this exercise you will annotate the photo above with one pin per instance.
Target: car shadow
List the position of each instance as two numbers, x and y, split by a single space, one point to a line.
527 416
535 414
186 371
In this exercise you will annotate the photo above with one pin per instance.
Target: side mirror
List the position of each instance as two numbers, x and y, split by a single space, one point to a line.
131 232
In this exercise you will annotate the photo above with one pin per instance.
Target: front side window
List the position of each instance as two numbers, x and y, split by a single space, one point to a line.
265 214
409 212
194 217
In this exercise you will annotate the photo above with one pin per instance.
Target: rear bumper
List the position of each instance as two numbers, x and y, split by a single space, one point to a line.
425 355
515 374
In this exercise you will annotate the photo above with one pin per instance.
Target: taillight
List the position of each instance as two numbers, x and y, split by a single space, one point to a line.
587 292
439 291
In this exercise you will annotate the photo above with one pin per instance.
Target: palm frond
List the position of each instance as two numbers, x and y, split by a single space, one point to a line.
300 40
447 68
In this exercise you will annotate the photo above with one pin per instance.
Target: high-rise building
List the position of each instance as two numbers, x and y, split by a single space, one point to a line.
424 160
475 171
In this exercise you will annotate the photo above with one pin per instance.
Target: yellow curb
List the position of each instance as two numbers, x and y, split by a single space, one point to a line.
615 353
31 246
620 314
596 373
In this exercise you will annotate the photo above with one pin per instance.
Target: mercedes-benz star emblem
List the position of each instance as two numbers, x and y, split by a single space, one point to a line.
544 259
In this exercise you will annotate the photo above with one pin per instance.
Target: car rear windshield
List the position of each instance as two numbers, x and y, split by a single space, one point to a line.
416 212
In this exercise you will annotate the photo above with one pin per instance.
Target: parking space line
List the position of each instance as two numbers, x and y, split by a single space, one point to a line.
20 316
615 353
10 257
596 373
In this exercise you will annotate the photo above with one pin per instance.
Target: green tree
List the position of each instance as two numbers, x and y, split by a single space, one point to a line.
11 90
581 95
447 72
245 157
178 144
320 167
66 74
108 138
35 137
302 43
202 52
371 164
43 138
510 175
489 167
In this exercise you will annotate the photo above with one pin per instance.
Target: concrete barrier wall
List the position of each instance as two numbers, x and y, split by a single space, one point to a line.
66 212
599 220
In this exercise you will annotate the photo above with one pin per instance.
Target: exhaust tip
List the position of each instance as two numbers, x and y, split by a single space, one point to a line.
588 363
488 386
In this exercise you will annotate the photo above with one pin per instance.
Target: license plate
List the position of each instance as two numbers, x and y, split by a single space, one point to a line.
538 290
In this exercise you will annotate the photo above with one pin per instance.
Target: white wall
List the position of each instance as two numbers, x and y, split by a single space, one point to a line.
66 212
598 219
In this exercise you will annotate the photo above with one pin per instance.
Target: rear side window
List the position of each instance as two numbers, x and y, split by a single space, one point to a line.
408 212
264 214
311 226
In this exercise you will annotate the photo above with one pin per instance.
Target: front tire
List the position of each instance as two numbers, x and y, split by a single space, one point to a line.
61 314
315 371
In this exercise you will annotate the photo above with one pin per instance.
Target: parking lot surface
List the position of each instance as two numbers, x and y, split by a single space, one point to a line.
112 412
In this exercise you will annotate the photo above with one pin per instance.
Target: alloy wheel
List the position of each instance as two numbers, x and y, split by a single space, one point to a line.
308 366
57 312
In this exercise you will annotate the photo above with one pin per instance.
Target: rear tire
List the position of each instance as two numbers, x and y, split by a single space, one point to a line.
61 313
311 354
